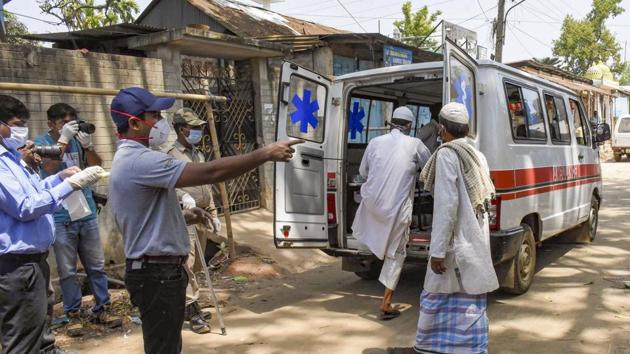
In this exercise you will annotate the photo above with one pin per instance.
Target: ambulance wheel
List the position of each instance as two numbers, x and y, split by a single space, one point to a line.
373 272
588 230
523 267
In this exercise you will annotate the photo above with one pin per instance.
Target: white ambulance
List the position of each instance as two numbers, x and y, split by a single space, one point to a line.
543 158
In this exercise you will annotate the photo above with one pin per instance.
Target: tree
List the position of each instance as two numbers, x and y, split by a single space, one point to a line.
553 61
15 28
418 26
585 42
624 77
83 14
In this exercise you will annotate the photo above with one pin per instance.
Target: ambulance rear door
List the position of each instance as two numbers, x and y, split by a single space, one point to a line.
460 80
300 209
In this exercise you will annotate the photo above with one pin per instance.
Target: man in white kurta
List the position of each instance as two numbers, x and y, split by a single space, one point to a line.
453 302
390 164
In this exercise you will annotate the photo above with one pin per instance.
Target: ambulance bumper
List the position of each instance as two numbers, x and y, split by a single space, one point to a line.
505 244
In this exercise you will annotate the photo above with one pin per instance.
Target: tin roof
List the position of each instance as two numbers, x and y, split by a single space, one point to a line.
118 31
550 69
248 19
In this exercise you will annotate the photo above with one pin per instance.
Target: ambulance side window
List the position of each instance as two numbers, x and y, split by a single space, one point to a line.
358 116
307 109
380 112
582 132
525 113
558 121
366 119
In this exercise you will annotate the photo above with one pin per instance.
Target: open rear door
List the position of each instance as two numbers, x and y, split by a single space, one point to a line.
300 190
460 80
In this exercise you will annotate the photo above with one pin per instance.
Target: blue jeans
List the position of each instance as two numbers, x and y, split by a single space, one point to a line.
80 239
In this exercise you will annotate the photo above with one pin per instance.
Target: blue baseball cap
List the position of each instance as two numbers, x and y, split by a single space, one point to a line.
135 101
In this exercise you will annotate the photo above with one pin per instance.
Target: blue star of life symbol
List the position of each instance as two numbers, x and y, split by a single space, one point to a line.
464 93
305 113
356 116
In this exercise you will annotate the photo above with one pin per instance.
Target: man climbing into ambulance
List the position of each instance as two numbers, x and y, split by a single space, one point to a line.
390 165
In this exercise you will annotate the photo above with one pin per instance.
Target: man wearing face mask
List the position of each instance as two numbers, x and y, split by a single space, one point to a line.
144 202
76 236
390 164
189 130
27 231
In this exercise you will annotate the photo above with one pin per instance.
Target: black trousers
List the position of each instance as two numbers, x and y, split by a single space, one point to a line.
24 309
159 291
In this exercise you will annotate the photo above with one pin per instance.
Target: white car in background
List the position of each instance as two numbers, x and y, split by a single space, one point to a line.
621 137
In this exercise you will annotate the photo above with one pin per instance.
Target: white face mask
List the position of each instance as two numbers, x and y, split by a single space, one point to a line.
194 136
158 135
17 139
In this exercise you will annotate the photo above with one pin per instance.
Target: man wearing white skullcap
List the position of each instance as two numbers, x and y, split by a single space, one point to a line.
453 302
390 164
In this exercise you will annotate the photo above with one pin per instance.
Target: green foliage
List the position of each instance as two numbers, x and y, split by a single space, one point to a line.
624 78
419 25
553 61
585 42
14 28
84 14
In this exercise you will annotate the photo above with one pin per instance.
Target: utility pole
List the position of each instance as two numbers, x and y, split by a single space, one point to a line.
500 28
500 32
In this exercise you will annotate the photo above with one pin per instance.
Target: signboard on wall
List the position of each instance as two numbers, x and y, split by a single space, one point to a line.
396 55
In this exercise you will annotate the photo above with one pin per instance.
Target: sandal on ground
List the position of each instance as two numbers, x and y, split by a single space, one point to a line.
389 315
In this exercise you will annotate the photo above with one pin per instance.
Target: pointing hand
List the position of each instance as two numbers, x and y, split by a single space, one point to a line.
281 150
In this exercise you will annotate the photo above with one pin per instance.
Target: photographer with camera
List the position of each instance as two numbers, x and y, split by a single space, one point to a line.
76 231
26 233
31 160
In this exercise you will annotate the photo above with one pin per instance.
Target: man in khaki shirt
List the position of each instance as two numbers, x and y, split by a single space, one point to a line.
189 129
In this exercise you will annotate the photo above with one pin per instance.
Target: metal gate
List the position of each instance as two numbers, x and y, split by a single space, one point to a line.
235 120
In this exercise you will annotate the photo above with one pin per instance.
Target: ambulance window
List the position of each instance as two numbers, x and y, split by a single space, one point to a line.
558 121
380 112
525 113
358 119
462 87
582 132
306 114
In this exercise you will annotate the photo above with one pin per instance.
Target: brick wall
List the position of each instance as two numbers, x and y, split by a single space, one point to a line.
37 65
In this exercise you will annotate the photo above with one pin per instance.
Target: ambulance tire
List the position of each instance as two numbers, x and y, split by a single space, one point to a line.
523 267
373 272
588 230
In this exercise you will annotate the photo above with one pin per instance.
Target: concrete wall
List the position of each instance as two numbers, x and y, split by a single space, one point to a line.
72 68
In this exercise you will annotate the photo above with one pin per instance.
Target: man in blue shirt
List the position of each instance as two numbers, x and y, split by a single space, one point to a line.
26 233
76 239
146 209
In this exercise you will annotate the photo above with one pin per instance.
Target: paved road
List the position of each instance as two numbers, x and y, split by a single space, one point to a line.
570 308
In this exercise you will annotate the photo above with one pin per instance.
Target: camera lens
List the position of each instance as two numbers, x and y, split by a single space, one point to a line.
50 151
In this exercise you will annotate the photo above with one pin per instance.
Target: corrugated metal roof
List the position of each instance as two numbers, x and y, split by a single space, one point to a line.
550 69
118 31
252 21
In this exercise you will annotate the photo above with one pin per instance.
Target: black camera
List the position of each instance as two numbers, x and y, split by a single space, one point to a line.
86 127
49 151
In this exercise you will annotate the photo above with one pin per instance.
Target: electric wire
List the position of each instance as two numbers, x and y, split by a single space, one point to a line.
349 13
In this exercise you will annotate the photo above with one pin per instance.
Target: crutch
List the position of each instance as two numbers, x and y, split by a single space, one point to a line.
206 272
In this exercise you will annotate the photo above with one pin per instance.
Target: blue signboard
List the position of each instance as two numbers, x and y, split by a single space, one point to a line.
396 55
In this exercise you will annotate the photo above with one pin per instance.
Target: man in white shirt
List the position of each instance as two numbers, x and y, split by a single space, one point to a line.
390 164
453 302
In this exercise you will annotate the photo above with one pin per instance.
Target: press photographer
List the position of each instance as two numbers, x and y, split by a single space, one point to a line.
76 231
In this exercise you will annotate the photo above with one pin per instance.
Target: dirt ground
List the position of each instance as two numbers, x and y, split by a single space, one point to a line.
574 306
